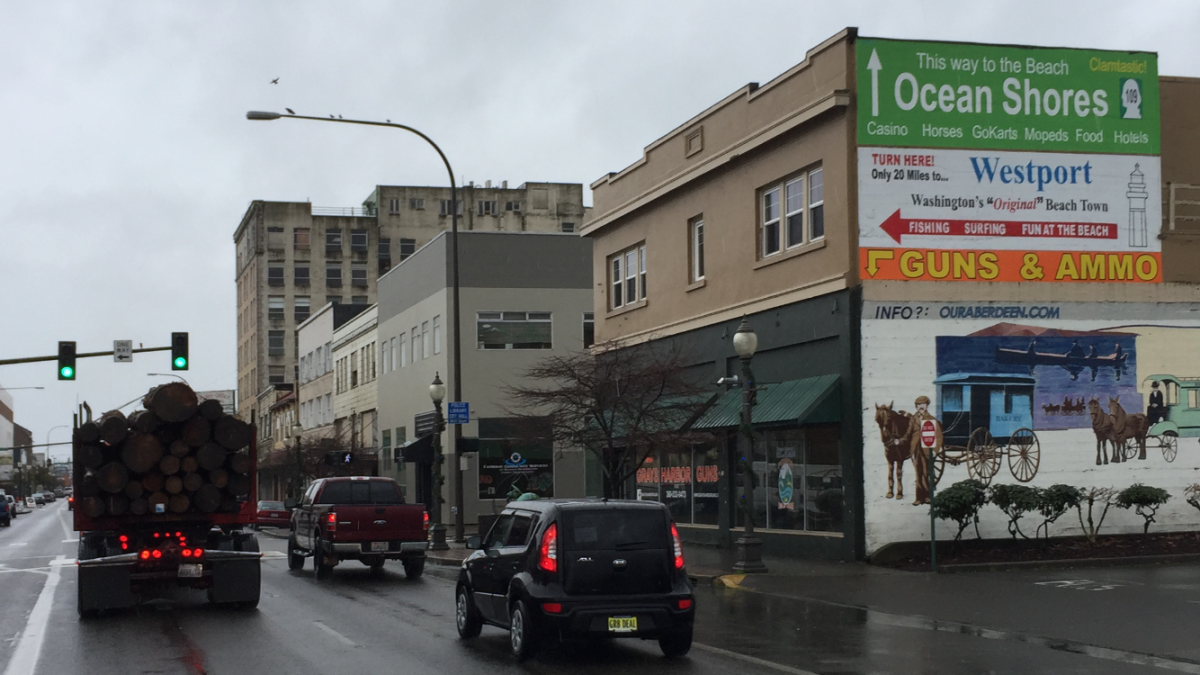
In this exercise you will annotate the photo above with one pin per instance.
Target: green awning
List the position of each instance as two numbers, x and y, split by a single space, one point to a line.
812 400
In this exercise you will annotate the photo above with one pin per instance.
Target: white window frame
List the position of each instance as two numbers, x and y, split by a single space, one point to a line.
437 334
627 277
816 201
796 199
403 350
696 238
424 339
416 342
770 221
393 206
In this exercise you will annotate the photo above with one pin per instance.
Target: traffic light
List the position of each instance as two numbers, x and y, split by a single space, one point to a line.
66 360
179 351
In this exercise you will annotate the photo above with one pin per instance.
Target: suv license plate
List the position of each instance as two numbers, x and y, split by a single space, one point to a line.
379 546
189 571
622 624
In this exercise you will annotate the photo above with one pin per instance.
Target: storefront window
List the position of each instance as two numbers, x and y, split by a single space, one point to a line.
797 480
685 480
511 466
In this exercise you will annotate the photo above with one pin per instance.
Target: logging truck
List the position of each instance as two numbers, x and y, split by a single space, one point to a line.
165 498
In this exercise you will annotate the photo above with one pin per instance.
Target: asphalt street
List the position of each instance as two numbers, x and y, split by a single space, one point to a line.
359 623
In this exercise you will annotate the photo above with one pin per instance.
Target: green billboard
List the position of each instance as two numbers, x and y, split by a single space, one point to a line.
957 95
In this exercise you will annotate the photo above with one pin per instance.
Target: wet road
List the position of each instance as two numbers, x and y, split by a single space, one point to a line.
356 623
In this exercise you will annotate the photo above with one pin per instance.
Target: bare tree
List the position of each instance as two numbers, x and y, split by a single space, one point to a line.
621 402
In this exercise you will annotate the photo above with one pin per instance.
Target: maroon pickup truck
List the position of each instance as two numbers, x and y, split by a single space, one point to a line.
357 518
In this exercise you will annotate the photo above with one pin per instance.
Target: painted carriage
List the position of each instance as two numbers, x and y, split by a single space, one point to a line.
1181 414
986 419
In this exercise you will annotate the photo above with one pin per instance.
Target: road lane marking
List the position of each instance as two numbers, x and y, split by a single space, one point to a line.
342 638
25 658
70 541
750 659
68 531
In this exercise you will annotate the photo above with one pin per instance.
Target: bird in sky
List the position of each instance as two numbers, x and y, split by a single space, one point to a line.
331 117
339 117
389 121
275 81
290 111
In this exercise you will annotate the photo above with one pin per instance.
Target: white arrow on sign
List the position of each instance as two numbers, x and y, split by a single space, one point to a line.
874 66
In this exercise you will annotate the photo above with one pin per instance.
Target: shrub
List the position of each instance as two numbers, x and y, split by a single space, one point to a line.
1015 501
1091 497
1145 499
1054 501
961 503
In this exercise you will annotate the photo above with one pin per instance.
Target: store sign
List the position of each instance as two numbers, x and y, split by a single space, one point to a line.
987 215
956 95
505 465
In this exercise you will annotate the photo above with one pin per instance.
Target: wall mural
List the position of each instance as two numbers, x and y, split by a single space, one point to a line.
1102 395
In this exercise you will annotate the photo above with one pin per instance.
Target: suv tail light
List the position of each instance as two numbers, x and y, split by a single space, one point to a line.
678 547
331 521
548 551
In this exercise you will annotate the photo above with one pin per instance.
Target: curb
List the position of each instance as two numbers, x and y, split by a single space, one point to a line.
1074 562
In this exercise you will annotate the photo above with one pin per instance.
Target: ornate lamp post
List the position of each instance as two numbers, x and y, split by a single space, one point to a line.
748 547
437 529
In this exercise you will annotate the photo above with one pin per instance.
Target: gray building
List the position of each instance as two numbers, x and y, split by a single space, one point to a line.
524 298
293 257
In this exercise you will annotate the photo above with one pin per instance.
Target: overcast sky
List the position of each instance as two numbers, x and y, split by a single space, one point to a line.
126 161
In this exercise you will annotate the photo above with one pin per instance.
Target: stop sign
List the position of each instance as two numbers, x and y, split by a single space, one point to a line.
928 434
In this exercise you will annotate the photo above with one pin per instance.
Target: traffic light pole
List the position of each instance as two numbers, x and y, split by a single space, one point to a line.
35 359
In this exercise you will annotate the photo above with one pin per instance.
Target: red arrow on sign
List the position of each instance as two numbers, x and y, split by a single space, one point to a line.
896 227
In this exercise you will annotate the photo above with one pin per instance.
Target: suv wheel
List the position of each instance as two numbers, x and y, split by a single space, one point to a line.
521 637
466 615
676 643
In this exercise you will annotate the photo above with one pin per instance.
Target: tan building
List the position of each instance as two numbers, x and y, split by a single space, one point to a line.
294 257
760 206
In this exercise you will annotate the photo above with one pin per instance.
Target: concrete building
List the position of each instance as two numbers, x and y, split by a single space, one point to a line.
524 298
293 257
836 208
7 434
355 398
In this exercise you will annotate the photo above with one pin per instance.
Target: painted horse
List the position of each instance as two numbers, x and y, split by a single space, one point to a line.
1127 427
1102 426
897 439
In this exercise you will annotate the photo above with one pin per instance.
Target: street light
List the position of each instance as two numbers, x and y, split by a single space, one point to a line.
456 326
748 547
169 375
437 530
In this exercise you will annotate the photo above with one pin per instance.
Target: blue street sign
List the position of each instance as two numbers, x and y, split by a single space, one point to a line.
458 412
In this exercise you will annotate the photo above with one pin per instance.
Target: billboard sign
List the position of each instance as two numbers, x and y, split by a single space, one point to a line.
958 95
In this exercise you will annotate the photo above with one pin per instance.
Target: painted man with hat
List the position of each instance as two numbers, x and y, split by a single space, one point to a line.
1156 411
919 454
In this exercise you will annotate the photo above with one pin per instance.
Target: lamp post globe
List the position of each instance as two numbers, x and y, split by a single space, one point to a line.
745 340
437 390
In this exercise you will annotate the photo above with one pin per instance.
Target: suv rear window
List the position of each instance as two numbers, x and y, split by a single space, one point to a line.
614 530
352 492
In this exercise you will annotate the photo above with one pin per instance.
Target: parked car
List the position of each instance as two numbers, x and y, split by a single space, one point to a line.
6 514
12 506
358 518
578 568
59 493
21 506
48 496
39 499
273 514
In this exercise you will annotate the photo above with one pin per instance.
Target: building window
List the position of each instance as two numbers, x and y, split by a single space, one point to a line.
513 330
301 274
444 207
333 299
696 244
512 206
416 342
437 335
358 274
358 240
816 204
386 360
300 238
275 342
359 300
333 276
416 204
589 329
407 248
275 275
403 349
275 308
333 240
642 271
303 308
793 212
385 439
353 369
276 374
486 207
769 231
568 227
390 347
424 339
385 255
627 278
394 206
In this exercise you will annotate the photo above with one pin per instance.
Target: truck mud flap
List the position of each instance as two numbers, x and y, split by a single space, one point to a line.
105 587
236 579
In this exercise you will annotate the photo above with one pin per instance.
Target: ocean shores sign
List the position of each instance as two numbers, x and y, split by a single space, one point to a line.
958 95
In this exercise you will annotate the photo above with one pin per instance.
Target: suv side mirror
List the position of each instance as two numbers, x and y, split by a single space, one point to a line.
290 503
473 543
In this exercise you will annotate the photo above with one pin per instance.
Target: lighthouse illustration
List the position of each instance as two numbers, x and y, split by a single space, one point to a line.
1137 208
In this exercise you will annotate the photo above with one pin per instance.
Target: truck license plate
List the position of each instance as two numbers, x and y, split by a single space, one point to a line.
189 571
622 624
379 546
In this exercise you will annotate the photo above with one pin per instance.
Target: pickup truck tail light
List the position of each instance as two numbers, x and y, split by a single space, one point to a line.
426 520
548 551
331 521
678 548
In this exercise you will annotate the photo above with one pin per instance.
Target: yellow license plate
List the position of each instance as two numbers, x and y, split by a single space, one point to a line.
622 624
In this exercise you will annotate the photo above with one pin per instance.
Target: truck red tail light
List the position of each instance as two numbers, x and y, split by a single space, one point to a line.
156 554
196 553
552 607
144 555
187 552
548 551
685 603
678 548
331 521
426 520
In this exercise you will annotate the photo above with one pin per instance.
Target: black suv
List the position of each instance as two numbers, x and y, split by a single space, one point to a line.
578 568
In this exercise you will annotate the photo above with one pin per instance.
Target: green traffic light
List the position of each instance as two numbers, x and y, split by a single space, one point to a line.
180 363
67 373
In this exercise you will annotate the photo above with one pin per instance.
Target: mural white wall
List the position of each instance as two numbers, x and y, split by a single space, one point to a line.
1033 374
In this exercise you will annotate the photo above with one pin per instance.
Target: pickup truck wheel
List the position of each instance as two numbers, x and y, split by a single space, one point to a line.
323 570
413 567
295 559
466 615
521 637
676 643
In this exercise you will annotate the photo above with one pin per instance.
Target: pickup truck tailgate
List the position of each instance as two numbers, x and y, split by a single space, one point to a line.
404 522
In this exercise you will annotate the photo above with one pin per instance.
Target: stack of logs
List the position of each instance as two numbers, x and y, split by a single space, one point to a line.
178 456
